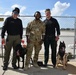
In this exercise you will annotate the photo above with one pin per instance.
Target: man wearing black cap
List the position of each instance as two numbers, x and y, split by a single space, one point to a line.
14 28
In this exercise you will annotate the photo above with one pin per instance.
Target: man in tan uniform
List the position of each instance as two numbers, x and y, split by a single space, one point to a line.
34 32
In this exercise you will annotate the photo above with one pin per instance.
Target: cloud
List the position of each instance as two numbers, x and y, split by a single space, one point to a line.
22 8
7 13
15 5
59 8
42 12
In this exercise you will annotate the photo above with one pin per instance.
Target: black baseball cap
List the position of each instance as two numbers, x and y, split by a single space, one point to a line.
16 10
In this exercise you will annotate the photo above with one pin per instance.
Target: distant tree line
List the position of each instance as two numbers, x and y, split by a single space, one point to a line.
67 29
60 29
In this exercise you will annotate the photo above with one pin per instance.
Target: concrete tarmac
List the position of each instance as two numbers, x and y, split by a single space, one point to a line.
71 70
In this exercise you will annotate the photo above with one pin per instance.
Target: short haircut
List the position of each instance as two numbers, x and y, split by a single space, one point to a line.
47 10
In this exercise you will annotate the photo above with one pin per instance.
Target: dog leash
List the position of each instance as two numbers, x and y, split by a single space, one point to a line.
2 52
2 48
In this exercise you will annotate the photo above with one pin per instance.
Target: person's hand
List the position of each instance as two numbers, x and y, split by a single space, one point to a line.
3 41
41 42
57 38
22 41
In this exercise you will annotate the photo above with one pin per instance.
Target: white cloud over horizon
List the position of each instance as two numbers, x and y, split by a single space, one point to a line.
59 8
8 13
22 8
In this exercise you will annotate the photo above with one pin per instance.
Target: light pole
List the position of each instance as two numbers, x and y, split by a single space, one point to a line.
75 38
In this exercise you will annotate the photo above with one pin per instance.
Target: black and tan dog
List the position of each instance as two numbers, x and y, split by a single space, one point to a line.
20 52
61 56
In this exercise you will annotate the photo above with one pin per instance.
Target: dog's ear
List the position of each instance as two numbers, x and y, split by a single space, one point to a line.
60 42
64 44
63 41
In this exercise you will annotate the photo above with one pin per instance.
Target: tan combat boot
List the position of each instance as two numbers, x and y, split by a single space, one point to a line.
26 68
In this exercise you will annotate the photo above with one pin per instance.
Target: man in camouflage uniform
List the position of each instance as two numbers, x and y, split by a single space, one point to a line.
34 32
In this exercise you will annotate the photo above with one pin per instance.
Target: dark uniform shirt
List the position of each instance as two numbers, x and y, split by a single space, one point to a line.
51 26
12 26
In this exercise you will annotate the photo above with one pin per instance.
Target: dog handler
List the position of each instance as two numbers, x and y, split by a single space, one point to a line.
14 28
34 31
52 32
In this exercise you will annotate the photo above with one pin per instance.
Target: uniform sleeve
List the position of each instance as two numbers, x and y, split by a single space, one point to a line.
43 31
28 29
4 28
57 28
43 28
21 33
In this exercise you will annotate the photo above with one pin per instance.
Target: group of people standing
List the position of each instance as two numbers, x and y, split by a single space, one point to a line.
37 31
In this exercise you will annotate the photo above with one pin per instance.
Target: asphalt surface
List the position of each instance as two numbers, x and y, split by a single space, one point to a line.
71 69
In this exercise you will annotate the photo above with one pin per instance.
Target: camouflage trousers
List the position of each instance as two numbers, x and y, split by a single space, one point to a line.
30 46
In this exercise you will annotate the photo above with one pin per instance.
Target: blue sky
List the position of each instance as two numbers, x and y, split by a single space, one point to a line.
28 7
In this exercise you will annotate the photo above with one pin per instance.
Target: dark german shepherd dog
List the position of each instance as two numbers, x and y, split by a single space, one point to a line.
20 52
62 56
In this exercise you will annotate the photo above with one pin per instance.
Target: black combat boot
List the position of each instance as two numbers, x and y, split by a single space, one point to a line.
5 67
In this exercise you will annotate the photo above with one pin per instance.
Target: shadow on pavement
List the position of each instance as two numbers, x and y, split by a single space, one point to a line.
71 69
38 71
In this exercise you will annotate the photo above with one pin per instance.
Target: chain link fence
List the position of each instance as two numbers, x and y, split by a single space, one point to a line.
67 26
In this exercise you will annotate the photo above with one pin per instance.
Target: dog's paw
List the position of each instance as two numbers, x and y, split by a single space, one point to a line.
56 66
64 68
